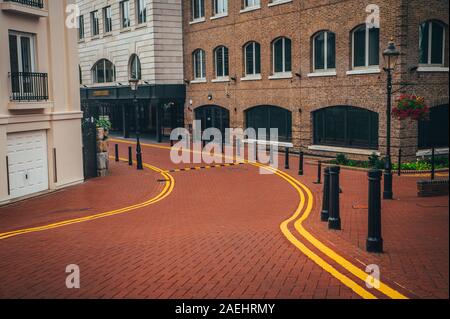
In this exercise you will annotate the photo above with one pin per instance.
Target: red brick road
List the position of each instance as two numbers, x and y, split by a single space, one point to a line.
216 236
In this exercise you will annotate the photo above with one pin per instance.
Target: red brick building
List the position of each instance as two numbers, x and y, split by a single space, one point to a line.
314 69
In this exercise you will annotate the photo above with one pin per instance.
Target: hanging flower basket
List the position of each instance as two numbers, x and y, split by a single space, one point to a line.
411 106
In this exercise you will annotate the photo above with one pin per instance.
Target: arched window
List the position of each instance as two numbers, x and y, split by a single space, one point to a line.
267 117
252 59
365 47
199 64
104 71
281 52
431 43
221 61
434 132
324 51
346 126
135 68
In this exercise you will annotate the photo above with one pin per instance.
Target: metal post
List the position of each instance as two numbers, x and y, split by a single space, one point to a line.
130 156
138 142
300 164
374 242
256 151
399 162
117 152
286 159
325 214
334 221
319 173
388 194
433 166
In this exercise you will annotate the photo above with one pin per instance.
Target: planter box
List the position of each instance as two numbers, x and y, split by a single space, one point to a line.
428 188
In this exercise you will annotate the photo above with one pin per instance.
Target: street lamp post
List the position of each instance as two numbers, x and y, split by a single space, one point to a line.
134 84
390 56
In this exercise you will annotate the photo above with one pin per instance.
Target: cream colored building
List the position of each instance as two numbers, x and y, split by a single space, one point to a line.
40 117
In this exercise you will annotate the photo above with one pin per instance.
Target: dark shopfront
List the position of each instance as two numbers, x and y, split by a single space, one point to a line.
161 108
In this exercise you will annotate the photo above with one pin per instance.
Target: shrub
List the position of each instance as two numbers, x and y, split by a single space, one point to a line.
342 159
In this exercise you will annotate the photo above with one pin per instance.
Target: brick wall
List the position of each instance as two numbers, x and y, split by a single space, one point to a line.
299 20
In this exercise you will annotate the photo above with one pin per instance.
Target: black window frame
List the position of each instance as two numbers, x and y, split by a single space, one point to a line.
435 131
270 116
221 62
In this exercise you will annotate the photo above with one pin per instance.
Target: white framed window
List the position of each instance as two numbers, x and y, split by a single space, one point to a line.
251 4
197 10
252 59
141 11
431 43
135 68
125 14
95 27
103 71
81 27
220 7
275 2
281 55
221 62
324 51
199 64
107 19
365 47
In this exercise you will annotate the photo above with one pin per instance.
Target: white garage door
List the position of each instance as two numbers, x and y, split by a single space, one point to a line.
27 163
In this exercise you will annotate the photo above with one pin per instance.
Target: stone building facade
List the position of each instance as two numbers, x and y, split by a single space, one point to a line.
341 109
40 117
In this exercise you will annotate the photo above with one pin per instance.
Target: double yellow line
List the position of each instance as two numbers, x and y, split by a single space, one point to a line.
168 188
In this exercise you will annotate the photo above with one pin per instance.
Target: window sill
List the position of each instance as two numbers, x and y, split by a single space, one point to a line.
280 76
427 152
364 71
275 3
29 105
197 21
141 26
95 37
432 69
81 41
256 77
124 30
218 16
198 81
337 149
108 34
320 74
249 9
221 79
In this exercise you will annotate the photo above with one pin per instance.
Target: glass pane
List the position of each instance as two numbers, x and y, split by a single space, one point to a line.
359 47
319 51
257 58
374 46
26 54
331 50
335 125
219 62
437 37
423 43
249 50
288 56
13 53
358 125
203 63
226 70
278 55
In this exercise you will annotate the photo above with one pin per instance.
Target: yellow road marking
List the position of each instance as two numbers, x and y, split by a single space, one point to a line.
315 242
168 188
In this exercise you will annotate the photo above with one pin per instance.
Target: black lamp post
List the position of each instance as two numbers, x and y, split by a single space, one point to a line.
134 85
390 56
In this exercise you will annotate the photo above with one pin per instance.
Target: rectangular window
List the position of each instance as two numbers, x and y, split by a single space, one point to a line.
141 11
374 46
278 56
107 19
331 50
220 7
95 28
22 60
251 3
423 43
319 51
125 14
359 48
198 9
437 44
81 27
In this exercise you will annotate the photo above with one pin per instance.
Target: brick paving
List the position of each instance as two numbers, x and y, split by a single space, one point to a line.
217 235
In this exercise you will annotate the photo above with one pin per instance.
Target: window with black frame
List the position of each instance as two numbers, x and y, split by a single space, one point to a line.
435 131
346 126
267 117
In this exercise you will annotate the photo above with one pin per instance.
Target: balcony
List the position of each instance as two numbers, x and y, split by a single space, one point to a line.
29 7
31 88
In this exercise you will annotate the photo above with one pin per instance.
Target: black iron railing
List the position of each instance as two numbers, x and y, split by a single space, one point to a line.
31 3
26 86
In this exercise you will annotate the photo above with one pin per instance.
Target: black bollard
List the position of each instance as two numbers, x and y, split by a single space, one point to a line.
256 151
117 152
130 156
238 147
399 170
319 173
286 159
374 242
171 143
433 166
325 214
334 221
300 164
